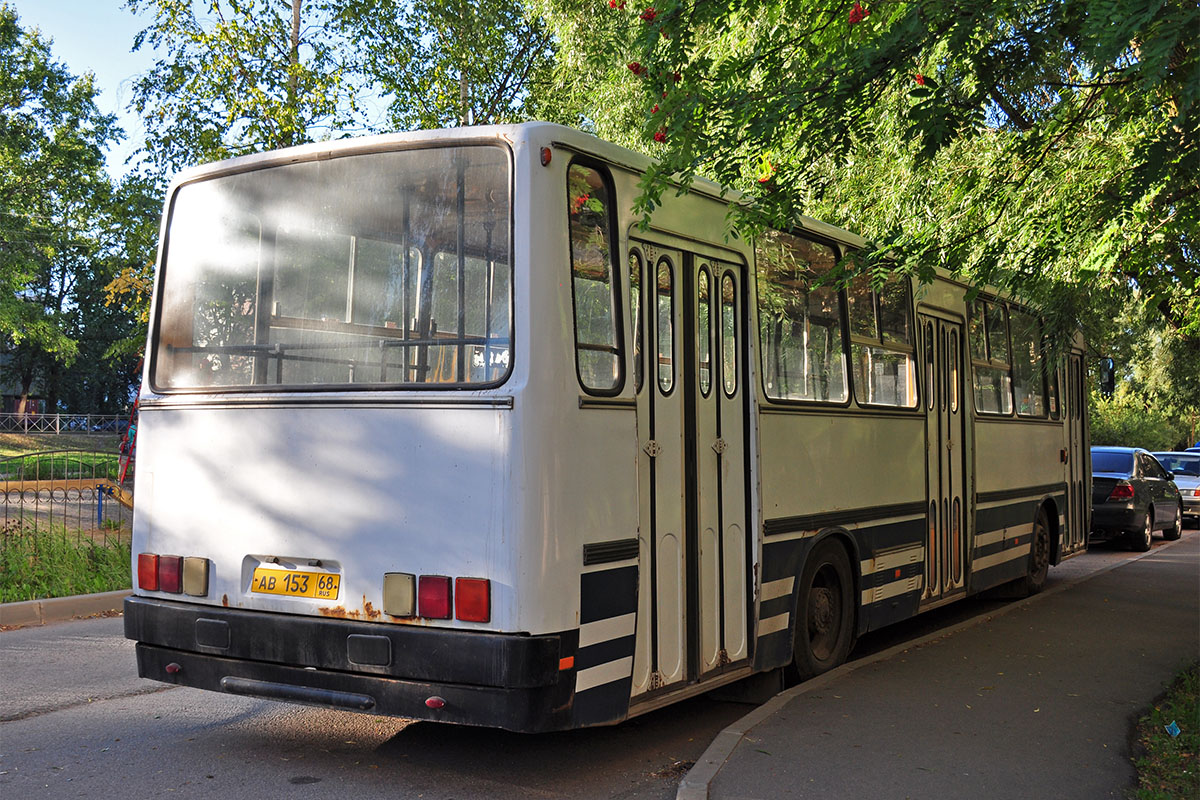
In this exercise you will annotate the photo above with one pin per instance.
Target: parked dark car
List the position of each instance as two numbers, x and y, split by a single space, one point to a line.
1133 496
1186 469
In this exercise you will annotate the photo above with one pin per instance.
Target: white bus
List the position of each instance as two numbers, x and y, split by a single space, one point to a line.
431 427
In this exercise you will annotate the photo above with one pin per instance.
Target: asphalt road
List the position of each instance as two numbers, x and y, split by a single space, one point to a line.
76 721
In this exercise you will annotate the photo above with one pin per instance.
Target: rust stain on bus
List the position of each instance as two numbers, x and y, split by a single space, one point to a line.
341 612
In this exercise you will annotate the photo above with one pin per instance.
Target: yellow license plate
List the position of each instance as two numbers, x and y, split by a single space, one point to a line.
321 585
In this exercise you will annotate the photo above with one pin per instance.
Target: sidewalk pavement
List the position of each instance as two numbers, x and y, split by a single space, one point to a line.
58 609
1036 700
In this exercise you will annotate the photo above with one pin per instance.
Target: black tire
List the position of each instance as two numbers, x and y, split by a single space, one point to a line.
1039 556
1176 530
1140 540
823 630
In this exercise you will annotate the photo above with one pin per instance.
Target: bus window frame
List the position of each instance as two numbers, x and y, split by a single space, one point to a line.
878 341
615 278
1039 366
839 251
989 362
274 161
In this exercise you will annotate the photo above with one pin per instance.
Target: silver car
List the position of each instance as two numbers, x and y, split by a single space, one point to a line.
1186 467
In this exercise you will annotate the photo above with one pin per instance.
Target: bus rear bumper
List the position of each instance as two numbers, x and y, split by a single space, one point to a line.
497 680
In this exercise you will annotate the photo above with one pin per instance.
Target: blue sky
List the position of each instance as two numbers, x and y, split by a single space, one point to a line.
95 36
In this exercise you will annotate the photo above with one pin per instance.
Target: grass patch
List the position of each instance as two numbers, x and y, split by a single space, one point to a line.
1170 766
49 563
59 466
20 444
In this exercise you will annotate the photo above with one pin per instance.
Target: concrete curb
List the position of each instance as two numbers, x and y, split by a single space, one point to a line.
695 783
58 609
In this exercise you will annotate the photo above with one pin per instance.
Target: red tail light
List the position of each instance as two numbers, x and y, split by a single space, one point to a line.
433 597
170 574
1122 491
473 599
148 572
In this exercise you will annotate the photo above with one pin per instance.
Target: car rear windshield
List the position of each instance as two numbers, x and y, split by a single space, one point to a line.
1103 461
387 269
1180 465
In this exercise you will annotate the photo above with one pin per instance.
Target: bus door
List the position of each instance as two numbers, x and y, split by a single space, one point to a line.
946 510
1078 479
690 336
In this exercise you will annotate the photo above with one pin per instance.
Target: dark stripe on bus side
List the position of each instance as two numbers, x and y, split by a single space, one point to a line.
604 652
1032 492
603 595
892 609
609 593
775 606
602 704
1010 516
854 516
1000 573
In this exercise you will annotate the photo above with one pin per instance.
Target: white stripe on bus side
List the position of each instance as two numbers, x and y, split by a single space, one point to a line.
888 590
604 673
1000 558
896 558
773 624
603 630
779 588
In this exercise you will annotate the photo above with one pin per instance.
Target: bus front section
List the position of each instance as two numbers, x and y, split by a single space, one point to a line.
326 440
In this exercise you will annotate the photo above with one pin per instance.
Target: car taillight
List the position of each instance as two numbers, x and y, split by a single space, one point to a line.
1122 491
473 599
433 597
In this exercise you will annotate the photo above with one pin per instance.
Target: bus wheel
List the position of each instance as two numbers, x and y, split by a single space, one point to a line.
824 620
1039 555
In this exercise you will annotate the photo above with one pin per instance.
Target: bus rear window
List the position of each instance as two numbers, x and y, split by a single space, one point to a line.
370 270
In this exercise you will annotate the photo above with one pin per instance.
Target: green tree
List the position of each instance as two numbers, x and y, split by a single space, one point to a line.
444 63
241 76
52 190
1047 147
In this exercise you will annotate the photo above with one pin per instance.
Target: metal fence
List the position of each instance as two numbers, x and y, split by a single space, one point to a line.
73 493
99 424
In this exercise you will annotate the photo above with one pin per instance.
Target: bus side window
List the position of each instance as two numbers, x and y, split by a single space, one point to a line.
635 317
729 329
1029 382
597 328
1055 408
800 322
665 326
881 343
988 331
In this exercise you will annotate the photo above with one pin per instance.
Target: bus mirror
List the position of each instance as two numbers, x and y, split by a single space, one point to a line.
1108 377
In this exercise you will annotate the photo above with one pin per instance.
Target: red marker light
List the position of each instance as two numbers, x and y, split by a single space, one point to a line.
170 574
173 668
435 702
147 572
472 599
433 597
